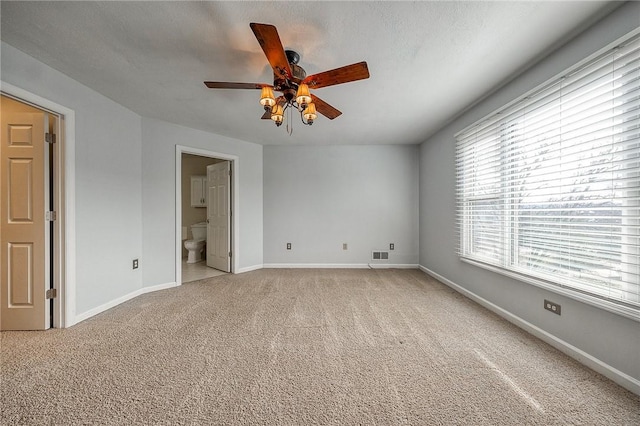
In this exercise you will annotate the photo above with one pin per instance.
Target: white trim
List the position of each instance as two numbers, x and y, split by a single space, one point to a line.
579 355
249 269
157 287
340 266
393 265
622 310
235 200
113 303
65 304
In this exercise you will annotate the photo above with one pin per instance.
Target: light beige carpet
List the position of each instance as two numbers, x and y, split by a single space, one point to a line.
301 347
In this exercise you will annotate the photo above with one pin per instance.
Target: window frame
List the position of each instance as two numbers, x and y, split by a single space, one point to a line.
507 264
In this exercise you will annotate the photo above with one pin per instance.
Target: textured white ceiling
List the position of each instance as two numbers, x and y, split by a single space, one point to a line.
428 60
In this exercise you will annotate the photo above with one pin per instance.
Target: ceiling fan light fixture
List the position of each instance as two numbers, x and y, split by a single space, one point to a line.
309 113
303 97
289 78
277 114
267 100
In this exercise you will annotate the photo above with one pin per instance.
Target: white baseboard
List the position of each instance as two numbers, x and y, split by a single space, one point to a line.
393 266
98 309
315 265
579 355
339 266
157 287
249 269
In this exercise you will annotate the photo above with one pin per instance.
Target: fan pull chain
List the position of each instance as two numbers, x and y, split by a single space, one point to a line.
289 120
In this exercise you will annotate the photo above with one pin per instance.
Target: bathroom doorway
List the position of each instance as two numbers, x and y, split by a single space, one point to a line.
192 205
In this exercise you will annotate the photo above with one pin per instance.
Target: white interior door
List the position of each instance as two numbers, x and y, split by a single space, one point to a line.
23 236
219 216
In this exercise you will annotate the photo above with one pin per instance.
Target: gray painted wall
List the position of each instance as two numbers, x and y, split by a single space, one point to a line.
318 198
159 140
606 336
108 180
116 188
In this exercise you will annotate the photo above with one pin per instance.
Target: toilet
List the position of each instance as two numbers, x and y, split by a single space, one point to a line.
195 246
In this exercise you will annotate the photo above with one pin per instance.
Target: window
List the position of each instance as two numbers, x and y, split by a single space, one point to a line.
548 187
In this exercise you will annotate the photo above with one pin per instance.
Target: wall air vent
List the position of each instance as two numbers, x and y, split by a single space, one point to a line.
380 255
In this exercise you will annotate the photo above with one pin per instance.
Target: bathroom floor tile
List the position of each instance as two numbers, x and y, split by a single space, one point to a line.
197 271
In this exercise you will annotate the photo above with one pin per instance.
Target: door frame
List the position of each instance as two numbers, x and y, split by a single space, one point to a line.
235 209
64 259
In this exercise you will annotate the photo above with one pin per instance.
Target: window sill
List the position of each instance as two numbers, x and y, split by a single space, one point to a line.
619 309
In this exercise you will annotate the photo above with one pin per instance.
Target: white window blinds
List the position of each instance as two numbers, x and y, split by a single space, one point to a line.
549 187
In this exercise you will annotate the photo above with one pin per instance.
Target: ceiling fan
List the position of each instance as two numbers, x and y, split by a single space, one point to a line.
292 80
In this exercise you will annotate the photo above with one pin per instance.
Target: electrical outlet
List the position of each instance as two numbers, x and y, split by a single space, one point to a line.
288 246
552 307
135 263
392 246
344 246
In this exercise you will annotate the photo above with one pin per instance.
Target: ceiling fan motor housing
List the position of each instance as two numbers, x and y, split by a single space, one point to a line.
298 72
293 58
286 86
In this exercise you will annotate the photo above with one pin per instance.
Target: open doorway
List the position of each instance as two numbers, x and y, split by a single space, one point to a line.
206 240
196 243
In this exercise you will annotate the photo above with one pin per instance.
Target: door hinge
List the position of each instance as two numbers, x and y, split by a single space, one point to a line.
229 254
50 216
52 293
50 138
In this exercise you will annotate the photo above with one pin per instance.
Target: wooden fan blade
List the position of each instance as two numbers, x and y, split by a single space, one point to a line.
324 108
341 75
228 85
269 40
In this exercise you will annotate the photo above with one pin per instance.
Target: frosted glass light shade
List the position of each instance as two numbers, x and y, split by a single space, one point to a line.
310 112
266 97
303 97
277 114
